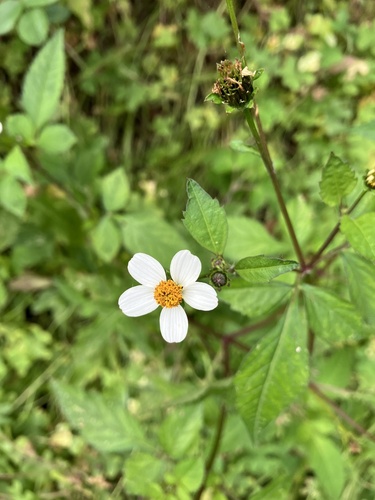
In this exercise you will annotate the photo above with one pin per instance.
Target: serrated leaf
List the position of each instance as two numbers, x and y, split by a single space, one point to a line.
12 196
360 233
9 12
56 139
205 219
115 190
106 239
361 284
260 268
338 180
330 317
148 233
20 127
44 80
256 301
17 165
33 27
103 423
247 236
274 374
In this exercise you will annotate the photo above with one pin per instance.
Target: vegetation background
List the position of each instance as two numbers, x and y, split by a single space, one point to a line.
94 404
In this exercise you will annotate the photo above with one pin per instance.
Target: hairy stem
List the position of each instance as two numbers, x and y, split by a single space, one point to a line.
334 232
253 120
341 413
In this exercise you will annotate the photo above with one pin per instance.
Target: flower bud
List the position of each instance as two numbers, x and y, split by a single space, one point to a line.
219 279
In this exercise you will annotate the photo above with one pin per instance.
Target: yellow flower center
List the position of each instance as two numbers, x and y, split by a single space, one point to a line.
168 294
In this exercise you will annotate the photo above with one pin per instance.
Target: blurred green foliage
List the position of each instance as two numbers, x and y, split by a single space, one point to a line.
94 165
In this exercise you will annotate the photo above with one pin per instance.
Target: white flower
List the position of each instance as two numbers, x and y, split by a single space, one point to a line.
156 290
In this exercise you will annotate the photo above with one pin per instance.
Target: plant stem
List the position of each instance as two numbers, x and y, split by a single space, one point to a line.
333 233
340 412
236 31
213 453
253 120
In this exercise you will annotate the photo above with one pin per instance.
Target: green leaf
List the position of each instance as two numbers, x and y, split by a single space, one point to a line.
56 139
9 227
9 12
361 284
360 233
366 130
213 97
20 127
256 301
240 146
338 180
327 462
33 27
103 423
175 442
115 190
44 81
12 196
148 233
17 165
205 219
189 473
140 465
274 374
106 239
260 268
246 236
37 3
330 317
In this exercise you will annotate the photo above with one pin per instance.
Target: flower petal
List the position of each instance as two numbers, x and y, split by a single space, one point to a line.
173 324
146 270
200 296
138 301
185 268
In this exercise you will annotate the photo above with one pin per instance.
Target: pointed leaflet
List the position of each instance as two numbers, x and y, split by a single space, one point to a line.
360 233
330 317
338 180
275 373
260 268
361 284
205 219
103 423
44 81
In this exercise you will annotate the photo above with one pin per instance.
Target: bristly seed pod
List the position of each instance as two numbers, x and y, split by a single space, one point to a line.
370 179
219 279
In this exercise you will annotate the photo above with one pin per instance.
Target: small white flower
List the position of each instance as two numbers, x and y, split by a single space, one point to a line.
156 290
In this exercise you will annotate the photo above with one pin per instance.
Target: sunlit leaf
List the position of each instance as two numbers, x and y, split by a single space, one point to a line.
9 12
33 27
56 138
338 180
12 196
274 374
205 219
17 165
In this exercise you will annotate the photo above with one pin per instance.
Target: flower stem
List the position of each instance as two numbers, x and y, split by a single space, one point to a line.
255 125
333 233
236 31
213 453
